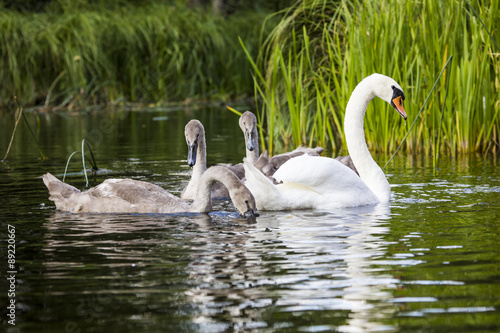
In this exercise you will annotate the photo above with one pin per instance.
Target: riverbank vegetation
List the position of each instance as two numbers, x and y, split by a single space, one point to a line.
299 64
321 49
79 53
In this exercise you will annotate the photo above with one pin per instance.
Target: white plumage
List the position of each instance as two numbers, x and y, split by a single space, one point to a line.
301 188
307 182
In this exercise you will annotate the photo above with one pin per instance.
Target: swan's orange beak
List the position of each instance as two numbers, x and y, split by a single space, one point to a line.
397 103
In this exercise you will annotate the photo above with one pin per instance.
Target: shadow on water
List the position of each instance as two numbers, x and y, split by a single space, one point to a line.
429 261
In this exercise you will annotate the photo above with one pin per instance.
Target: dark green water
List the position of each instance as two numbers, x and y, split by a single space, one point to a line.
428 262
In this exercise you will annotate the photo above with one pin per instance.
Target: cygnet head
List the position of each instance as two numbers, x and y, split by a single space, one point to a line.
244 201
390 91
248 124
194 133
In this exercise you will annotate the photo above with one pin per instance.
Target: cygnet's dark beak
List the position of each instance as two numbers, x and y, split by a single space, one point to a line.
250 214
191 160
250 141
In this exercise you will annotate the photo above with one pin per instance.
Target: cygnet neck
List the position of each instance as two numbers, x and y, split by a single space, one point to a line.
201 159
203 201
253 155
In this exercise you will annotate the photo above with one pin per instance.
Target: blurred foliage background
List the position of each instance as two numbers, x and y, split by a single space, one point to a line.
295 62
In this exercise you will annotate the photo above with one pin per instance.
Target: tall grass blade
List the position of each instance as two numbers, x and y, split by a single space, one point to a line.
51 88
484 25
34 138
84 157
420 111
438 138
234 111
18 118
92 162
67 164
83 162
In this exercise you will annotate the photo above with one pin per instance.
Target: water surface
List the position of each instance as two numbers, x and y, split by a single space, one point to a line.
429 261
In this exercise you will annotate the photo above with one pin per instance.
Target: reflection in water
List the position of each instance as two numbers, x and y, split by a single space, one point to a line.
293 263
116 268
234 275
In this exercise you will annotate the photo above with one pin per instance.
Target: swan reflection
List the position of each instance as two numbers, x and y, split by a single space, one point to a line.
294 263
288 269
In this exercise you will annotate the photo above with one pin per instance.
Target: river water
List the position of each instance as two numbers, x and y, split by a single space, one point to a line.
427 262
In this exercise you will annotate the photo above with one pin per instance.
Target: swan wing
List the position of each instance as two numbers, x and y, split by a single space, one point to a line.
329 182
317 172
114 196
138 195
308 182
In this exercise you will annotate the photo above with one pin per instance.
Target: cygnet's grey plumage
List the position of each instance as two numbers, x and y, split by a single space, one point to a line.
197 158
133 196
248 124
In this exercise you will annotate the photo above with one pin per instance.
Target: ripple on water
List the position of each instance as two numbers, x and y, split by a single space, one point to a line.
423 312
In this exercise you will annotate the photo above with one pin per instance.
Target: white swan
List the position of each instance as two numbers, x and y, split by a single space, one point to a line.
133 196
323 183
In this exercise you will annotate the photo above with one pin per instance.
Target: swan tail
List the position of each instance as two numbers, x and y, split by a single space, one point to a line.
59 191
261 187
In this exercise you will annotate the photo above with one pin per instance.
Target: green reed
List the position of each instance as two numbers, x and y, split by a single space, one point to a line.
314 58
17 116
80 54
94 167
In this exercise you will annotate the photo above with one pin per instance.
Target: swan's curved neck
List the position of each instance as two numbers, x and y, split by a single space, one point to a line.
203 201
368 169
